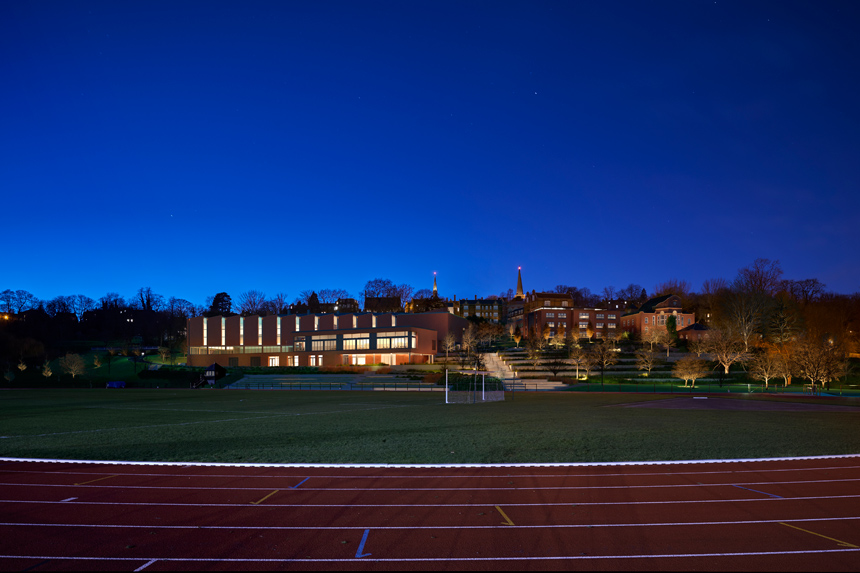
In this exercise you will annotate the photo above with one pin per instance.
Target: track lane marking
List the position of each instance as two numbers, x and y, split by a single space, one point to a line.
265 498
359 554
549 504
436 559
300 483
406 476
842 543
145 565
99 479
411 527
371 465
757 491
366 489
507 519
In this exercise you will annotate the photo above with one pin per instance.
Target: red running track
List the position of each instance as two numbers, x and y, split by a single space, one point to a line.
793 515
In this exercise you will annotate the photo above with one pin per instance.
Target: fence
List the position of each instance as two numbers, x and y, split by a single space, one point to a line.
518 385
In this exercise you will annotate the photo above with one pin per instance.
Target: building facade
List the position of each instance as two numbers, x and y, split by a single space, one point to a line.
556 313
654 313
319 339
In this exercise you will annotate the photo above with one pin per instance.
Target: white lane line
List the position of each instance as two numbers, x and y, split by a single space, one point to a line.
435 559
145 565
69 499
411 527
407 476
411 466
203 422
547 504
366 489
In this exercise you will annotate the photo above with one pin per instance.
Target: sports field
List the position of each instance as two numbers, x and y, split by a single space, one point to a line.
405 427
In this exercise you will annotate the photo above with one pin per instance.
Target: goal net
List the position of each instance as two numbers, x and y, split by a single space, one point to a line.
472 388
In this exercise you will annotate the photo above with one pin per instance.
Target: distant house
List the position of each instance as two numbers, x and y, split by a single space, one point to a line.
654 313
694 332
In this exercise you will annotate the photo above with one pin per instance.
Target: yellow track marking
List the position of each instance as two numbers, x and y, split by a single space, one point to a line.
507 519
95 480
842 543
265 498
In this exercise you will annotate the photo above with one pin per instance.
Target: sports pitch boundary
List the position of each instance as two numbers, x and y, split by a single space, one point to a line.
420 466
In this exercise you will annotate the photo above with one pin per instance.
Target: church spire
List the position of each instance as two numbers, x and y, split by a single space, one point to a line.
435 292
519 283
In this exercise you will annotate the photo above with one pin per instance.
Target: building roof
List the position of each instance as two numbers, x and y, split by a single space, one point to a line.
650 305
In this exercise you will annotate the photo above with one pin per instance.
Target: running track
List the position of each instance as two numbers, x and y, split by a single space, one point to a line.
788 515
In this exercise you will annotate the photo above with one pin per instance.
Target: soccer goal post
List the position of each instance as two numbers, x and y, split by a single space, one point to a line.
472 387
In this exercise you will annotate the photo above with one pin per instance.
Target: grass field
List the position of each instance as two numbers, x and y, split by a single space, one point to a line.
397 427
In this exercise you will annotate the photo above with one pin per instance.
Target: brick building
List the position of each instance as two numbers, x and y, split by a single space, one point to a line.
653 314
319 339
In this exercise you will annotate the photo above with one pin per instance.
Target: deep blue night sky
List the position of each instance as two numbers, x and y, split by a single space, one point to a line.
281 146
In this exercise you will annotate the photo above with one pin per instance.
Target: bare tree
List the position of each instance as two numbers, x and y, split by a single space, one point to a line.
278 304
24 301
22 366
145 299
646 359
449 343
46 369
164 352
689 370
673 286
80 304
331 295
726 348
605 355
589 362
469 340
577 357
252 302
746 312
765 365
73 364
96 361
819 359
555 364
762 277
654 336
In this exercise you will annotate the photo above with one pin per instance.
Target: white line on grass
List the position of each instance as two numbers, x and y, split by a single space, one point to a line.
412 527
375 505
468 489
434 559
414 466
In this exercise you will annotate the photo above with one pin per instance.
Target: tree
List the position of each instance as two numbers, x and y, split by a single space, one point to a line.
746 312
818 359
278 304
762 277
765 365
73 364
577 357
332 295
517 335
22 366
164 352
605 356
589 330
221 304
689 370
46 369
654 336
672 326
449 343
673 286
145 299
726 347
252 302
646 359
555 364
313 303
97 362
589 362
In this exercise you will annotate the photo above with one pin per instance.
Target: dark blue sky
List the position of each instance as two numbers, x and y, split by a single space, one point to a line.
223 146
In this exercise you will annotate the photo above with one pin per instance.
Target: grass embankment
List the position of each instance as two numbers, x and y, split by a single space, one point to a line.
382 427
